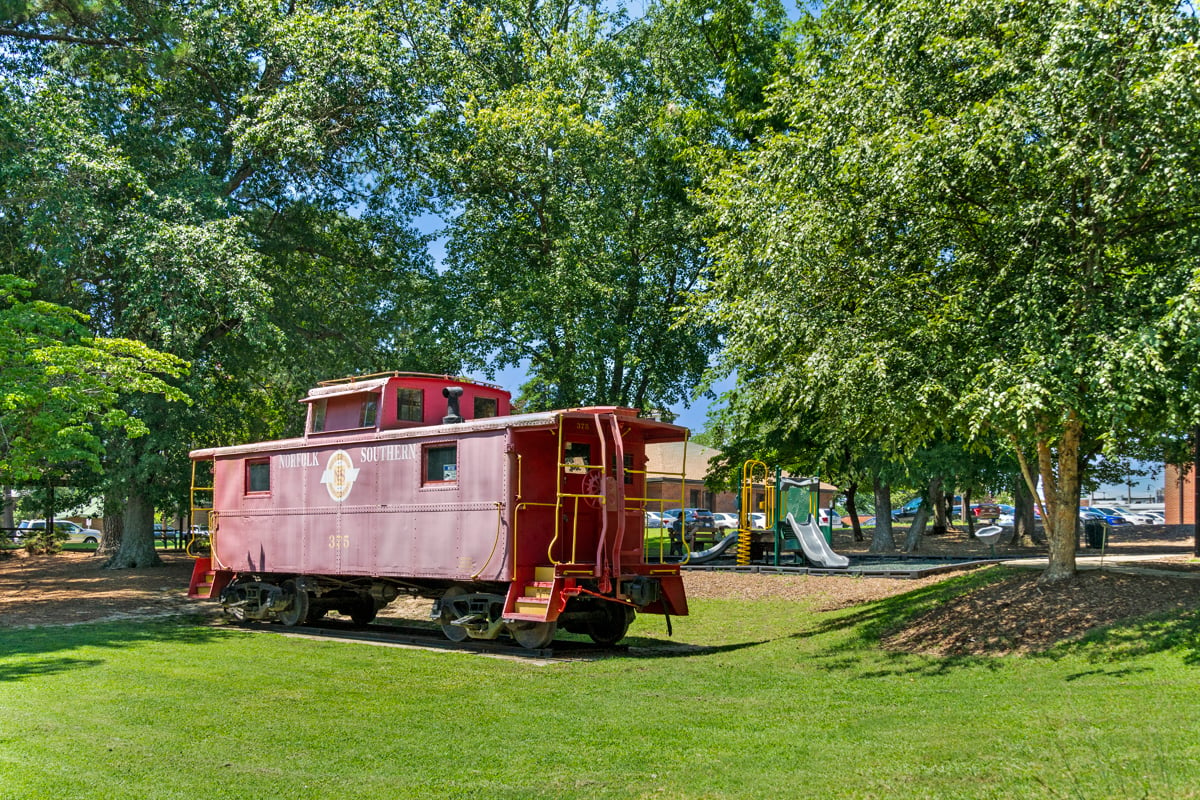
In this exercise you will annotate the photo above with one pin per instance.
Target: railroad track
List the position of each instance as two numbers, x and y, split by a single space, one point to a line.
383 633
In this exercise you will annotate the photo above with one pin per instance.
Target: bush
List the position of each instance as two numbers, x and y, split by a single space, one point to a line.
40 541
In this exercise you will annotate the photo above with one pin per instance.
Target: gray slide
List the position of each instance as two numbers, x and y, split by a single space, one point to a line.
816 549
715 551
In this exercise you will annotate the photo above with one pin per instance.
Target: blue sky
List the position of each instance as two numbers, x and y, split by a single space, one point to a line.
693 416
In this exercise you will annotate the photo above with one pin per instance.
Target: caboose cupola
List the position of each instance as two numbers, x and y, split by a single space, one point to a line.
393 400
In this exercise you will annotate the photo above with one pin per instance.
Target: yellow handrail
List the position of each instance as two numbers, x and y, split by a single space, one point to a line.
749 482
194 506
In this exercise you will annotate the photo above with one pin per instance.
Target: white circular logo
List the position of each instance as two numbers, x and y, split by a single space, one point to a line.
340 474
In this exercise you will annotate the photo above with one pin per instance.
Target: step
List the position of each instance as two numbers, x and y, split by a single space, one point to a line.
542 599
542 574
537 591
533 608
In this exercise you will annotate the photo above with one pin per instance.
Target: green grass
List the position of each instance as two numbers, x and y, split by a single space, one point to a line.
747 700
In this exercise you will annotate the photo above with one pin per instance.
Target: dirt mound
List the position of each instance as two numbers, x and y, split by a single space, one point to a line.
1019 615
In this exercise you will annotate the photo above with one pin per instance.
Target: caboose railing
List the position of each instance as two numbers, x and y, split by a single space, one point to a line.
197 505
663 533
600 490
600 496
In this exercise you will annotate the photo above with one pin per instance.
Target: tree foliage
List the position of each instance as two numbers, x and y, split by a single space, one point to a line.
60 388
216 181
569 142
982 219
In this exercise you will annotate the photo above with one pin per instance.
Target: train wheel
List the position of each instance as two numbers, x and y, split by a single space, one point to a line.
297 607
362 612
613 627
533 635
455 633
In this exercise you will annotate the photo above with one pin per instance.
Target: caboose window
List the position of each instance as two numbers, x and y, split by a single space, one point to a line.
575 456
486 407
258 475
366 414
410 405
319 416
441 463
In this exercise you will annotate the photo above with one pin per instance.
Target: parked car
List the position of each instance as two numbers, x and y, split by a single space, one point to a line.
699 519
980 511
1111 515
909 509
1137 517
724 520
654 519
1086 513
76 534
1126 517
758 520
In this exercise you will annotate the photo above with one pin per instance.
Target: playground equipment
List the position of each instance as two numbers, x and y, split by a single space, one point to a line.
812 542
790 507
989 536
755 474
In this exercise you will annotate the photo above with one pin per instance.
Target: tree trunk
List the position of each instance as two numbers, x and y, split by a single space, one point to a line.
9 505
967 516
852 510
1062 522
1023 521
937 498
882 541
912 542
137 543
113 529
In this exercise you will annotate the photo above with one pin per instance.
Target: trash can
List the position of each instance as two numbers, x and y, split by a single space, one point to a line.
1095 532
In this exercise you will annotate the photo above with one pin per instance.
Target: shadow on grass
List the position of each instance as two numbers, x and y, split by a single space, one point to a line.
868 625
1177 633
872 622
640 647
31 653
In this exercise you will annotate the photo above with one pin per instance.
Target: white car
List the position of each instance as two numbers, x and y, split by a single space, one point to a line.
1140 517
654 519
829 518
758 520
725 521
76 534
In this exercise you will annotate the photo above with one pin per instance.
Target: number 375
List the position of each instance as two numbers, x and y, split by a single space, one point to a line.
339 542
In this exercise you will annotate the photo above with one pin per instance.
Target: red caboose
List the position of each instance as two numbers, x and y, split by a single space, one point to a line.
426 485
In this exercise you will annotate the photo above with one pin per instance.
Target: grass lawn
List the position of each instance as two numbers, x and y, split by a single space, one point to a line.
748 700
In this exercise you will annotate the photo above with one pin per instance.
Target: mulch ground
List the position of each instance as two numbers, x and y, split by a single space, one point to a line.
1017 615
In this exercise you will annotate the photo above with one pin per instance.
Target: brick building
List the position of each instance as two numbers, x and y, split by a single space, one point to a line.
1179 496
668 459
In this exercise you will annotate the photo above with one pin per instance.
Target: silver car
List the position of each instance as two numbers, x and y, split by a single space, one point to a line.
76 534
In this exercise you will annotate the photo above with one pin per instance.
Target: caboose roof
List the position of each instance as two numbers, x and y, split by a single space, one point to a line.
652 430
341 389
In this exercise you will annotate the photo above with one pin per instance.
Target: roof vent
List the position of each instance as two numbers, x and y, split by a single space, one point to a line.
453 415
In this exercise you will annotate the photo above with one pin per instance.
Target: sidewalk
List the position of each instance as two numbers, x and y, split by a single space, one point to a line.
1115 562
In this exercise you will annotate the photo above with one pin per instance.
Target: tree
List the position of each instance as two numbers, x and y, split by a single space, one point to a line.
997 206
60 388
566 142
225 182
